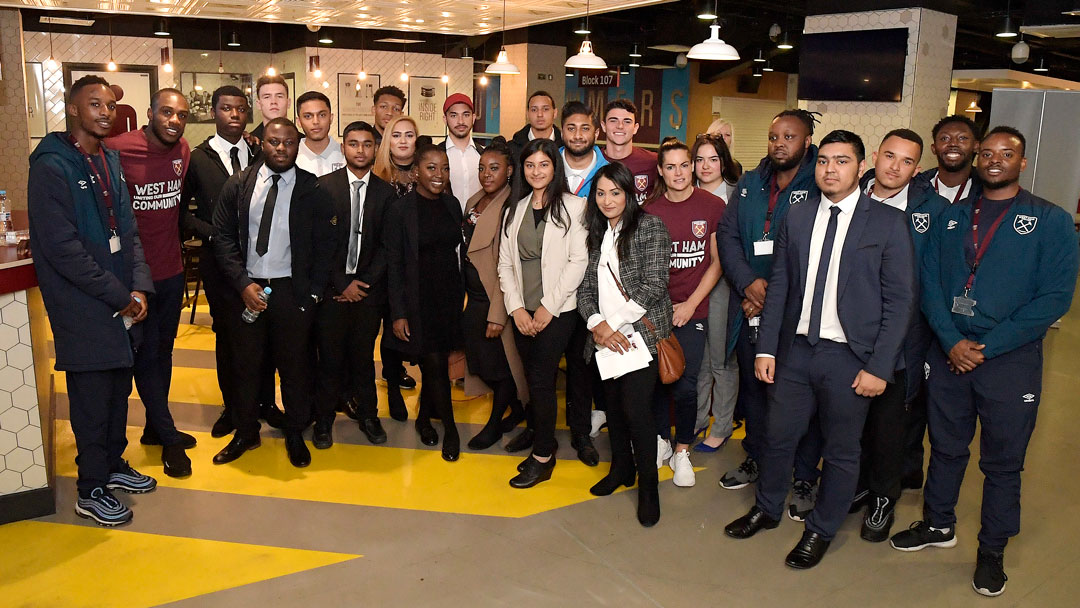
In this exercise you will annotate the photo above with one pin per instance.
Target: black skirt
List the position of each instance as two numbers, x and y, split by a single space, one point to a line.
485 356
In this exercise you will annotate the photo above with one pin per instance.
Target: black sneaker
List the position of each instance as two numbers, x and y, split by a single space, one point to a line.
989 579
746 474
102 507
922 535
879 519
803 499
131 481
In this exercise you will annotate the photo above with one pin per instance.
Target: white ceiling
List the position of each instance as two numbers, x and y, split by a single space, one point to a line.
436 16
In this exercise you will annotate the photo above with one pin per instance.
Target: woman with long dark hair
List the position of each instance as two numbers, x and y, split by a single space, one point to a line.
423 234
714 167
626 284
542 258
490 351
691 216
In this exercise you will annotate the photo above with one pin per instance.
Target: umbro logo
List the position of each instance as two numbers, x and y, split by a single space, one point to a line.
926 370
952 225
82 184
699 326
1029 398
743 193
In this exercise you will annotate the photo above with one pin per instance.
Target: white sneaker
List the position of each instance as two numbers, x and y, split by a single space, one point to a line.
599 419
684 471
663 451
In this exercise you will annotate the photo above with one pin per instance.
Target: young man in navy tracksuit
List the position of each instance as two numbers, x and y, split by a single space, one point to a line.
745 238
94 281
995 275
882 463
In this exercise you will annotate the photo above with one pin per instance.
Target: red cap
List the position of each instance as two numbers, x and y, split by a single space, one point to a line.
457 98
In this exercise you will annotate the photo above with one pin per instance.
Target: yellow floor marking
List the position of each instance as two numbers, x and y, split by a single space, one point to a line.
375 476
67 565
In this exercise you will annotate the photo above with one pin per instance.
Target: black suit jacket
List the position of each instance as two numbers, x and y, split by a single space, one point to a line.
876 284
205 179
371 268
311 239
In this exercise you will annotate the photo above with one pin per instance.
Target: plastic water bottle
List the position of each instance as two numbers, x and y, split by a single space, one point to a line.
755 329
249 315
5 214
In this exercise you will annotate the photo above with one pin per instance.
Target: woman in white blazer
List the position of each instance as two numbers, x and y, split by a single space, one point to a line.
542 259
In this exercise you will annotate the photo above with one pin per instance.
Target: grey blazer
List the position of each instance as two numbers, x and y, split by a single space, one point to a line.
644 275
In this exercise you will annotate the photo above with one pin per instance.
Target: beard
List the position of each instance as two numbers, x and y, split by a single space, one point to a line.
584 151
999 184
959 165
790 163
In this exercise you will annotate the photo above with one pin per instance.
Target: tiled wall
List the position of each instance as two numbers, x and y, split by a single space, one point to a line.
14 129
22 456
927 76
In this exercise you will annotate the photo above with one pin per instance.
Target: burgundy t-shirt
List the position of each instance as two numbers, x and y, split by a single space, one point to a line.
642 164
154 179
690 223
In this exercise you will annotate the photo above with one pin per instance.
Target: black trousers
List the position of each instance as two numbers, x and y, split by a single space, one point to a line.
814 379
393 366
345 336
280 337
752 400
98 402
631 428
915 433
882 462
1003 395
153 359
683 392
582 380
540 355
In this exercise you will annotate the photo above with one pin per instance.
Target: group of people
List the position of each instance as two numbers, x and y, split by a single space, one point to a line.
839 313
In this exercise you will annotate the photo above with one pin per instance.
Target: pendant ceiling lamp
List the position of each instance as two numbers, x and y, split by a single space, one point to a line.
1007 29
713 48
1042 65
586 59
502 63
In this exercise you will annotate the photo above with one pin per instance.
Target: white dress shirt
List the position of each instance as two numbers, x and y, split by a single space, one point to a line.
277 263
224 148
950 193
329 161
575 177
357 199
464 170
550 136
830 320
619 312
898 200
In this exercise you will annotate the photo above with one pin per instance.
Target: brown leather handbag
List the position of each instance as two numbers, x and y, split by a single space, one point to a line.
670 360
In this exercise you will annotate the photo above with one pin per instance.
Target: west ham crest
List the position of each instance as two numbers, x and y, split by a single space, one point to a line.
700 227
798 196
921 222
178 166
1024 224
641 182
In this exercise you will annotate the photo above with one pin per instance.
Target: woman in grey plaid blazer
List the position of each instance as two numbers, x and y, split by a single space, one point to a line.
626 281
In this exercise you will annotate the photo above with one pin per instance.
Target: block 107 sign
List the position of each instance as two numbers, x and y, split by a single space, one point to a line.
600 79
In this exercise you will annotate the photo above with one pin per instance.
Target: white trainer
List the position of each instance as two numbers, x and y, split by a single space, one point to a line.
684 471
663 451
599 419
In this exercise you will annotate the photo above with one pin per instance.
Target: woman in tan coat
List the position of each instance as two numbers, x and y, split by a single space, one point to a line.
490 352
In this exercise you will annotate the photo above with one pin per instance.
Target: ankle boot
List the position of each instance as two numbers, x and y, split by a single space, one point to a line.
517 414
648 506
492 431
612 481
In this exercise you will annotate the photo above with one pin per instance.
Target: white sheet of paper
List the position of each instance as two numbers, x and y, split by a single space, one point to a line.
763 247
613 365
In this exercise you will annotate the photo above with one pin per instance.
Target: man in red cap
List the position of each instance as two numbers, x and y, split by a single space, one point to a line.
460 148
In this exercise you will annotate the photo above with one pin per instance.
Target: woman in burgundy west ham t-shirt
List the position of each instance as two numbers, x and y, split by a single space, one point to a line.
691 216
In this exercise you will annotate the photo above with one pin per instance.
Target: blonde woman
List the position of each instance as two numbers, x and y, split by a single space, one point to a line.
395 158
723 128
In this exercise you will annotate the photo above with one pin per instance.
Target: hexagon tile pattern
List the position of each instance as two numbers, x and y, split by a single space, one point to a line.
22 456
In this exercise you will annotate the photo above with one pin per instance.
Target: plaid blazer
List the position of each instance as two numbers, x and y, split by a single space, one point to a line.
644 275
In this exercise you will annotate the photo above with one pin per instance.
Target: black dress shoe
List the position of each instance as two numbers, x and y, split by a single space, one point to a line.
522 441
396 402
406 381
586 451
373 430
297 450
487 437
322 436
451 447
150 437
533 473
176 461
648 506
236 448
521 465
808 553
612 481
749 524
428 434
273 416
222 426
514 418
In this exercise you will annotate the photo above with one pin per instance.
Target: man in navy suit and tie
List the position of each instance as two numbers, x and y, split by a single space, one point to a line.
840 298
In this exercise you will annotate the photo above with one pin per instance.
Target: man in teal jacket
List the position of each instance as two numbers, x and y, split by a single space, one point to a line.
996 273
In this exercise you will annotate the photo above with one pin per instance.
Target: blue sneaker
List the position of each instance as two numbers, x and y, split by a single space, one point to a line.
102 507
131 481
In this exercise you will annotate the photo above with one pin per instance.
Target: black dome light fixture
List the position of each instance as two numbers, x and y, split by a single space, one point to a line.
234 39
161 28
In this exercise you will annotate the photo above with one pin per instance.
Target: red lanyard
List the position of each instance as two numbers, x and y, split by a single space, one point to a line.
774 195
959 190
104 184
980 250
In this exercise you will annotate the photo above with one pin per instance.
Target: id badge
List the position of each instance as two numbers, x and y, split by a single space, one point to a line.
114 244
763 247
963 305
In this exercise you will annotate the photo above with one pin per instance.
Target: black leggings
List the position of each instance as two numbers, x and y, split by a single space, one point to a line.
435 390
540 355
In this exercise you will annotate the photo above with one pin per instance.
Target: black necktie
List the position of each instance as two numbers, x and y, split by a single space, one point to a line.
814 333
263 243
234 156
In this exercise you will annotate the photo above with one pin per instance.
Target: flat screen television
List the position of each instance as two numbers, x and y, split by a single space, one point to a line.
864 65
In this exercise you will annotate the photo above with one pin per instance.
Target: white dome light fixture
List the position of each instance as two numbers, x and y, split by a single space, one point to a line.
585 58
713 48
1020 52
502 63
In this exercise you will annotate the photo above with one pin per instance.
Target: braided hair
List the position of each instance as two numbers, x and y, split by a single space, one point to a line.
807 117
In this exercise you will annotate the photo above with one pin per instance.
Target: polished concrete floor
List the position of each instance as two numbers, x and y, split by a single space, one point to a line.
396 525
